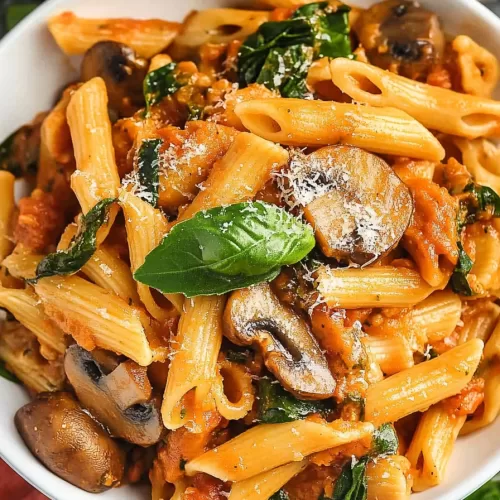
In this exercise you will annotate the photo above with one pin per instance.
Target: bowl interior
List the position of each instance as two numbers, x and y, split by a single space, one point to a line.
35 70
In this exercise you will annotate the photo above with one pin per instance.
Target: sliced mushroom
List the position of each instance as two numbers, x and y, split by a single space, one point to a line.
255 316
122 71
70 443
401 36
122 400
366 207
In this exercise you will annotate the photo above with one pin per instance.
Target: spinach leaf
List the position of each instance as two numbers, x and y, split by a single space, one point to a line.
280 495
385 440
280 53
6 374
16 13
459 282
489 491
82 248
351 484
159 84
226 248
355 398
276 405
148 169
486 198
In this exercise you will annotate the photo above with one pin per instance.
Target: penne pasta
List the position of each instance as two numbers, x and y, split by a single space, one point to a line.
264 485
479 320
95 317
432 445
298 122
279 444
382 286
195 349
7 208
392 352
22 265
75 34
423 385
464 115
388 478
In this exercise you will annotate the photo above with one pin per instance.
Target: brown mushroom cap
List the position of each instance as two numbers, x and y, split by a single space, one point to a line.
255 316
70 443
122 400
122 71
366 209
401 36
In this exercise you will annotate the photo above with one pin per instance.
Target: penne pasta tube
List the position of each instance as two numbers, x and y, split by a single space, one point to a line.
75 35
462 115
195 349
267 446
392 352
26 307
22 265
438 315
158 62
239 175
95 317
432 445
383 286
263 486
422 385
7 208
299 122
96 176
388 478
479 320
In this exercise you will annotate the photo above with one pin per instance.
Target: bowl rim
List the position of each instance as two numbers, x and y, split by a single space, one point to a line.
458 490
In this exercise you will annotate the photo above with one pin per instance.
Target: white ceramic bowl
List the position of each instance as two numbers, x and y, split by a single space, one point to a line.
33 70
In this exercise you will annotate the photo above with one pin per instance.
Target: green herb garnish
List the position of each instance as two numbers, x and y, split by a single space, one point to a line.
280 495
159 84
385 440
352 484
459 282
148 169
226 248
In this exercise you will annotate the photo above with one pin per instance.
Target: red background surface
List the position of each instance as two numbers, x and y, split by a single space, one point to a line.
14 487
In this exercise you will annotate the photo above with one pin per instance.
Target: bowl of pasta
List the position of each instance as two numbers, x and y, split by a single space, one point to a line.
250 250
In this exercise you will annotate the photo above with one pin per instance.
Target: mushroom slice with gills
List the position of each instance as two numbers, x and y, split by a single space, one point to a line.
70 443
363 208
122 71
121 400
255 316
401 36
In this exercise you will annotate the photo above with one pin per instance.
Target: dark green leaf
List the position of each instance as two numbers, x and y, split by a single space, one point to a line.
355 398
159 84
276 405
351 484
280 53
489 491
486 198
82 248
238 356
6 374
459 281
280 495
195 112
226 248
16 13
148 169
385 440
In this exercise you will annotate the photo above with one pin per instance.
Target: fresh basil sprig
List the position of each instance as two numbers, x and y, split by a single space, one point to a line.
385 441
276 405
486 198
459 282
226 248
352 483
161 83
148 170
280 53
83 246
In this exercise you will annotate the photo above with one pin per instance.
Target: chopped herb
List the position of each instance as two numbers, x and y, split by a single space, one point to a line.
6 374
238 356
355 398
159 84
352 484
280 495
82 248
195 112
487 199
385 440
280 53
276 405
464 265
183 413
149 170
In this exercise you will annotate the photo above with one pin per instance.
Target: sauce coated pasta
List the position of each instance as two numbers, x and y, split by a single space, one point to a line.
260 257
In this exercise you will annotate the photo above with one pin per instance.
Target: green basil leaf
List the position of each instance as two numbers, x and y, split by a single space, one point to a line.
6 374
486 198
351 484
82 248
159 84
385 440
280 53
226 248
276 405
489 491
16 13
459 282
148 169
280 495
